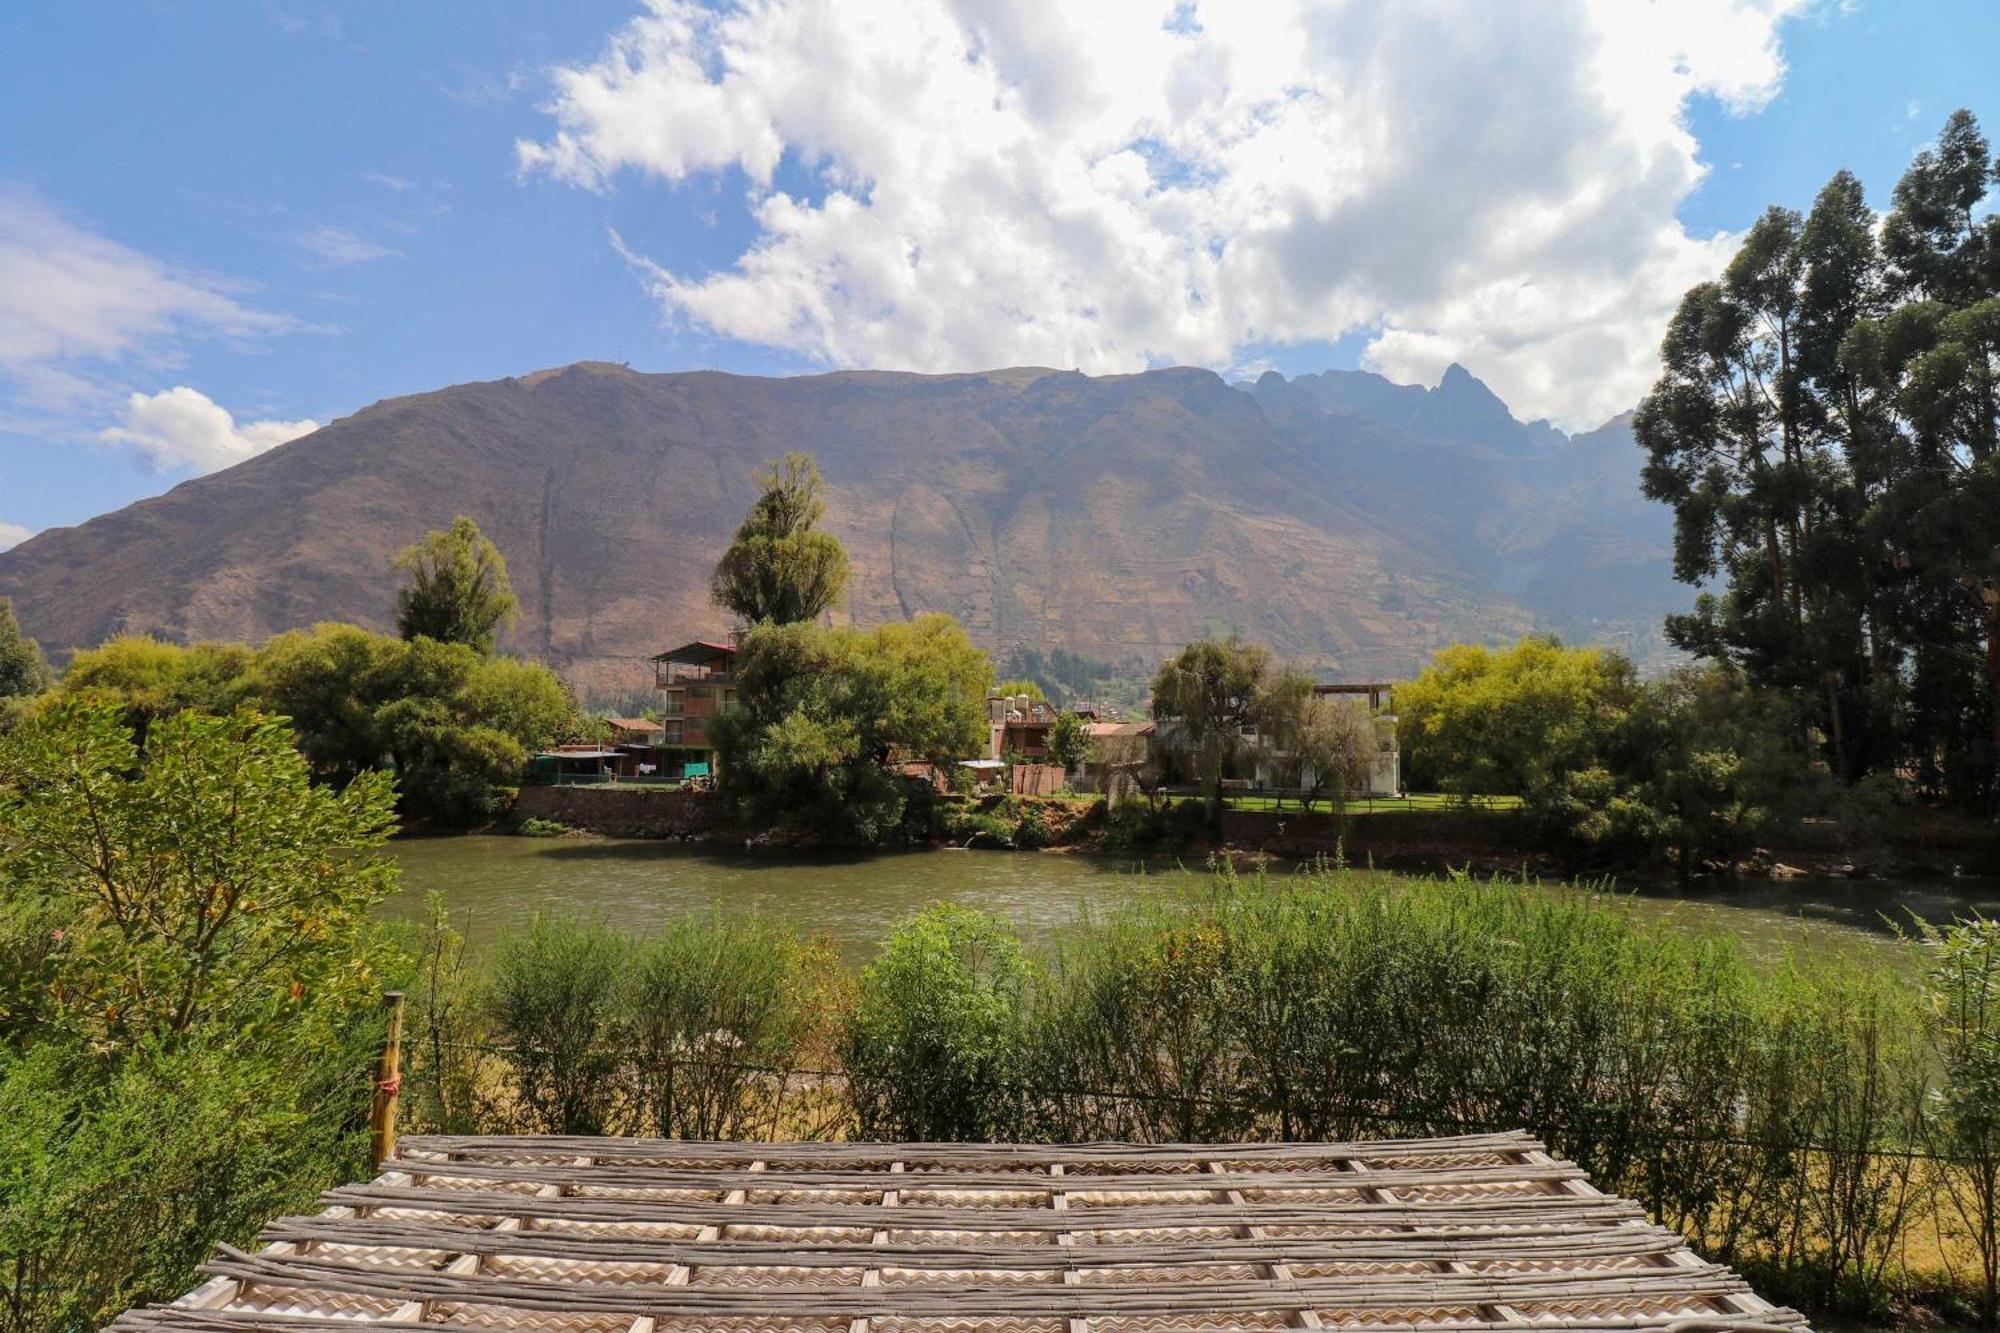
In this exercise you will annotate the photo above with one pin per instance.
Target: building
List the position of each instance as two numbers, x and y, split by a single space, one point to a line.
1018 724
695 688
1263 765
1118 756
1385 775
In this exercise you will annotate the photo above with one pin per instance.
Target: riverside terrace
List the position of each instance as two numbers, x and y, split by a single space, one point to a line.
648 1236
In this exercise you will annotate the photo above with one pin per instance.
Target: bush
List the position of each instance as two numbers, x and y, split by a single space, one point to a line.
930 1046
542 828
191 1005
553 1000
120 1179
712 1005
1033 831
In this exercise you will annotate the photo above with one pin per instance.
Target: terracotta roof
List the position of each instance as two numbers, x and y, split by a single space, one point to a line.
599 1235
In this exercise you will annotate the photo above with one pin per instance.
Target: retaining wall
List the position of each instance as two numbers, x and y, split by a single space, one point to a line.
1401 838
624 812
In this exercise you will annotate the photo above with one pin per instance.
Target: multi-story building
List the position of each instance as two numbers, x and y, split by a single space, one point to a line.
695 688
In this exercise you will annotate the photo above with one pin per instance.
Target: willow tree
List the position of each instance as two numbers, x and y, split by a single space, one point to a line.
458 590
781 568
1217 693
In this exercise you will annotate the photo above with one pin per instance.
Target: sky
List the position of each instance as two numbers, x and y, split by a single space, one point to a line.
226 222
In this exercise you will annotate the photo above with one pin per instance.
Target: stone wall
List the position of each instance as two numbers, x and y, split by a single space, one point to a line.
1409 839
624 812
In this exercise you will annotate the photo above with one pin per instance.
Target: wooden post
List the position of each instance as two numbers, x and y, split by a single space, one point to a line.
388 1082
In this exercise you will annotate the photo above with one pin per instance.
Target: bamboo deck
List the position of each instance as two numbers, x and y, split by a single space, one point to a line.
576 1235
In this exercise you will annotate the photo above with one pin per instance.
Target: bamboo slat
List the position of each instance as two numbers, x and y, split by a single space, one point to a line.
586 1235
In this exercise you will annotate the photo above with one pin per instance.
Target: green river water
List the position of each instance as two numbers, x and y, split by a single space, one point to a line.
491 885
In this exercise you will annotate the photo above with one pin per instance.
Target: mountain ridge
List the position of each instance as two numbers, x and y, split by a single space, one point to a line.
1116 516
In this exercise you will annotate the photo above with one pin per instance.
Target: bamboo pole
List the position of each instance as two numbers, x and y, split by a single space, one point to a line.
388 1082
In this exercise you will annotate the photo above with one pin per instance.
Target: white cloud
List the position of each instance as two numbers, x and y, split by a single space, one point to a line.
964 183
337 245
13 534
183 427
73 303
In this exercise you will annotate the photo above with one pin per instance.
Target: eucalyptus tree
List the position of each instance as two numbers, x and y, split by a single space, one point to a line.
1825 429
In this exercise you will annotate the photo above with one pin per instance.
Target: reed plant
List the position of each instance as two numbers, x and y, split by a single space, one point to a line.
1782 1113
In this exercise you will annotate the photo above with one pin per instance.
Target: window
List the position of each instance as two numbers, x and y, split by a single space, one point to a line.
675 704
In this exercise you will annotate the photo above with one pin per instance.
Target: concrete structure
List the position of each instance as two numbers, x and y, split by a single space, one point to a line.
695 688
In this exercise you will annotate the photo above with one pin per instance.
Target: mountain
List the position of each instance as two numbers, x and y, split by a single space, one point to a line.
1115 516
1555 522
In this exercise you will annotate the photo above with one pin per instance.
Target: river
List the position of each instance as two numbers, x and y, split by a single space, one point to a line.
491 885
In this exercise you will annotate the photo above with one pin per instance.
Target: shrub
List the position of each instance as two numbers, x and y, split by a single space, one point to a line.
929 1048
553 1003
711 1006
542 828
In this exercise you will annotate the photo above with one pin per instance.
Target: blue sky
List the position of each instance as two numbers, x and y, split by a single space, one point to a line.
339 196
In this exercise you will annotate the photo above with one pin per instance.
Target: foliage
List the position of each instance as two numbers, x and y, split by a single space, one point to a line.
1962 990
22 670
929 1048
149 678
456 727
780 568
1068 741
1008 689
1825 428
1063 675
116 1180
1700 766
711 1005
1510 722
542 828
822 713
204 881
458 591
1214 692
191 996
553 999
1332 748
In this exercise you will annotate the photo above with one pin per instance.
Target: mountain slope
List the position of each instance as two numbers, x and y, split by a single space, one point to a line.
1115 516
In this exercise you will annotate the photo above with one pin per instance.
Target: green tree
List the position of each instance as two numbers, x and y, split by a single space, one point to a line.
458 591
148 678
331 681
191 999
1069 741
1332 749
22 670
203 881
1699 768
1218 692
1020 685
1481 722
781 568
456 727
937 1028
1825 428
823 714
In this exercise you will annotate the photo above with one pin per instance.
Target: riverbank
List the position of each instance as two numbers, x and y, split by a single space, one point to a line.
1240 1008
1918 844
